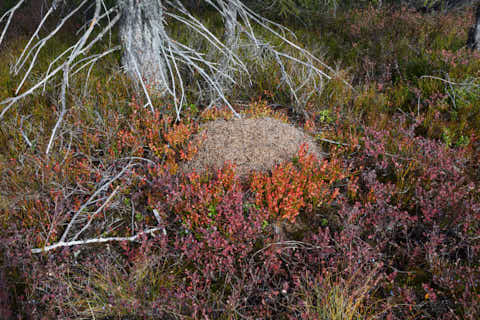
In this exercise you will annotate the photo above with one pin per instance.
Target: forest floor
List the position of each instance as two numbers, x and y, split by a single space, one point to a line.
385 225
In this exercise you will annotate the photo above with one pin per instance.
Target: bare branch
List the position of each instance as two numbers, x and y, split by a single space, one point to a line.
9 15
85 227
66 70
23 133
95 240
450 82
39 45
63 98
89 201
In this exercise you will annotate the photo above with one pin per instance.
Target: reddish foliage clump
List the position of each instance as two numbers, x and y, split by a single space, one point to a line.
293 187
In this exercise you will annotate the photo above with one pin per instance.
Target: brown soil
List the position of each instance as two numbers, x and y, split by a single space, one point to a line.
252 144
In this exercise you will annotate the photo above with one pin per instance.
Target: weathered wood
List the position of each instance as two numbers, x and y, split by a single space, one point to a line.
474 33
141 33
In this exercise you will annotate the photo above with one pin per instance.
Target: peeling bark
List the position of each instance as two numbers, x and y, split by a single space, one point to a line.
231 39
141 33
474 33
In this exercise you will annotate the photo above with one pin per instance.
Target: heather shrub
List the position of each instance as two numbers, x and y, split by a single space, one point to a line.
385 225
419 193
291 188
